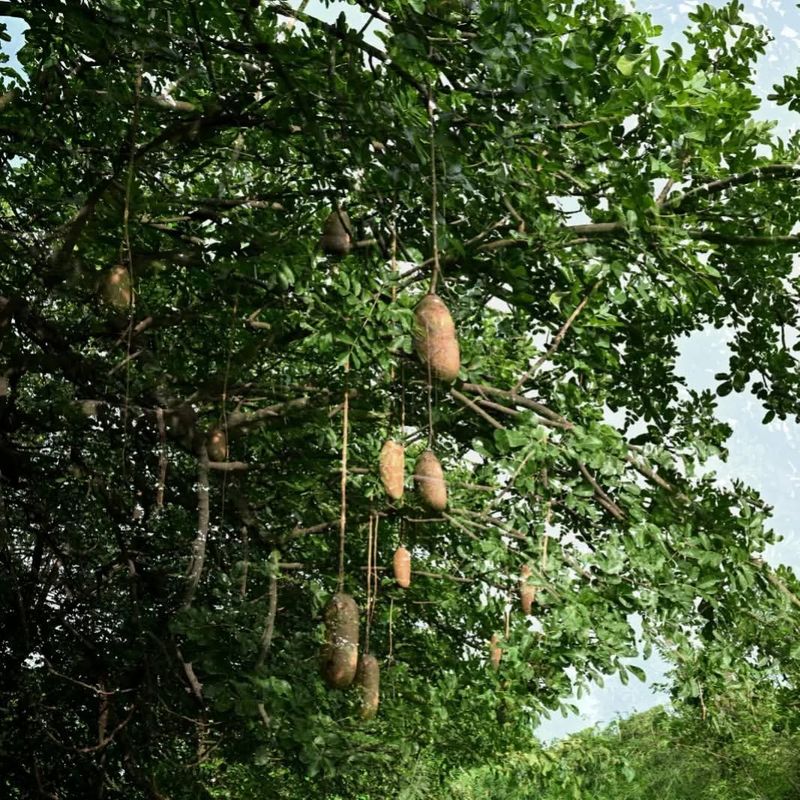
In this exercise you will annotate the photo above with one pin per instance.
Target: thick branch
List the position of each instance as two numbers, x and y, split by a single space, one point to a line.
477 409
605 500
520 400
346 36
558 338
753 241
776 581
654 477
242 421
767 172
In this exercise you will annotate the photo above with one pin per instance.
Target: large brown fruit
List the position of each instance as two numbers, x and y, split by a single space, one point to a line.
495 651
527 593
435 338
336 239
392 467
217 445
116 288
340 652
429 480
402 567
368 678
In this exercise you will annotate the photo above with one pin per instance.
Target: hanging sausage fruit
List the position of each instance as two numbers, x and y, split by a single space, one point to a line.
401 563
217 445
336 239
429 480
116 288
392 468
435 338
340 652
495 651
368 679
527 593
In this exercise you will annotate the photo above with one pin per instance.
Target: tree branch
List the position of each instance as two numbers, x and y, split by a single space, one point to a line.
767 172
520 400
776 581
558 338
195 568
269 626
463 399
606 501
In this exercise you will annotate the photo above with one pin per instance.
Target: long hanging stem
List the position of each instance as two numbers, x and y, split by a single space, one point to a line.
162 460
548 517
391 631
370 570
375 577
343 499
393 229
125 247
402 398
393 370
436 269
430 405
225 383
434 201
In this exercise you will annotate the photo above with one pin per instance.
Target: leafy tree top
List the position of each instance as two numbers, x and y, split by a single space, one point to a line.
589 201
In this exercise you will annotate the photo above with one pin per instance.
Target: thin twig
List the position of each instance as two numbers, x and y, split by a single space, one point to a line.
558 338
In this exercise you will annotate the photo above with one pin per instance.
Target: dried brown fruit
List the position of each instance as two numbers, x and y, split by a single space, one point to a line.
495 651
217 445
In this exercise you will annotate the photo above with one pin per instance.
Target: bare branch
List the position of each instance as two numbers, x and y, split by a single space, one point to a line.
269 627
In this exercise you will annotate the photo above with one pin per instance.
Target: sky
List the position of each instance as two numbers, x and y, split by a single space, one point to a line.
766 457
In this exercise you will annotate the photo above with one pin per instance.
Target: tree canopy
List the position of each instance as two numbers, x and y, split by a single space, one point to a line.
747 751
188 381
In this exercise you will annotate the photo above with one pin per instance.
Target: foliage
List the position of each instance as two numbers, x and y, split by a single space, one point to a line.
746 750
161 613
